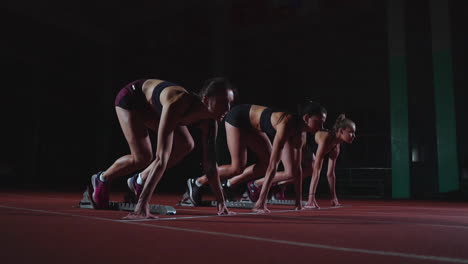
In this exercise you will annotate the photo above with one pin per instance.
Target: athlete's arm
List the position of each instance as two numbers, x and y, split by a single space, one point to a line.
209 132
283 132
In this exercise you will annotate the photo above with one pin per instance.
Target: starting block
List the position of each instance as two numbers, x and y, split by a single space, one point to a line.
244 202
124 206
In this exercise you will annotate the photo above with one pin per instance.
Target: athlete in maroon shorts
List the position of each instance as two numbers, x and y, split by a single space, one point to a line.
167 109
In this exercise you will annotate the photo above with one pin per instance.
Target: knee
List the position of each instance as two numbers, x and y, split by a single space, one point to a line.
288 175
183 147
189 146
236 170
142 161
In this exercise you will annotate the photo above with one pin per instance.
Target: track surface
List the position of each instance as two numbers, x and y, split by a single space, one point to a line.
45 228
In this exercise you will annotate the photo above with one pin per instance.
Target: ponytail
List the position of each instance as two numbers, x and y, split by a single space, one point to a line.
310 108
307 107
342 122
214 85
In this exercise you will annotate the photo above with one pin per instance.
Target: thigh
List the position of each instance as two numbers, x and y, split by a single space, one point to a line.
289 157
307 164
260 145
135 131
236 141
151 120
182 139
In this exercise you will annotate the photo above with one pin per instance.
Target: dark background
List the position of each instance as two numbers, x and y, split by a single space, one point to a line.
63 63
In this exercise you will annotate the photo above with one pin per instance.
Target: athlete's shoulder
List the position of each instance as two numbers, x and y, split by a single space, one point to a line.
323 135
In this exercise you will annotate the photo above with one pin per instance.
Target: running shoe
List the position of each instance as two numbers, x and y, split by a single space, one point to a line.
194 192
253 191
101 191
134 187
229 192
278 192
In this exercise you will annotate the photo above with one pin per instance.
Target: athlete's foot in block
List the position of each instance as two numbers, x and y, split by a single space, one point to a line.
335 203
310 205
140 216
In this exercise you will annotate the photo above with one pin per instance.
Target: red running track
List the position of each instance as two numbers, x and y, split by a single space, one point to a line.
45 228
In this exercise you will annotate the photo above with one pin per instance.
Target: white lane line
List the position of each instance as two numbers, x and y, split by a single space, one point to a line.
38 197
208 216
275 241
374 221
55 213
410 207
190 210
406 214
420 214
204 216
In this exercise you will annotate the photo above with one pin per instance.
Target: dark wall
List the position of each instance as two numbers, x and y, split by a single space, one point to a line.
422 128
460 58
334 53
423 142
65 63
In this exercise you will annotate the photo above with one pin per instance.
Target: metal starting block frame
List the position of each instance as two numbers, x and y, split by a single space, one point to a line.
86 203
244 202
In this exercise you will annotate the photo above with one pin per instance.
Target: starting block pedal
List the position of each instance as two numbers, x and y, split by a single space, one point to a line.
230 204
244 202
86 203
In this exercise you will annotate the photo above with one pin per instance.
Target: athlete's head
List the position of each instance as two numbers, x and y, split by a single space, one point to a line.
313 114
345 129
217 94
